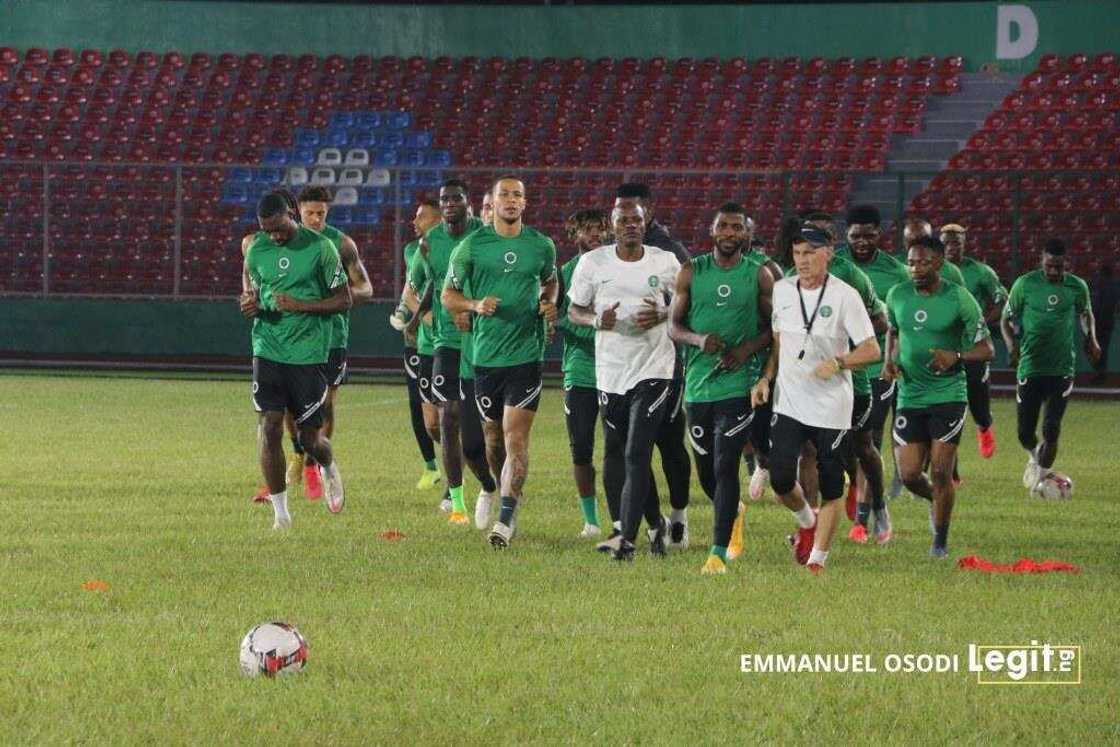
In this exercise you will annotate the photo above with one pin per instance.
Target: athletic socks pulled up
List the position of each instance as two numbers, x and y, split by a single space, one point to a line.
509 505
457 503
590 509
805 517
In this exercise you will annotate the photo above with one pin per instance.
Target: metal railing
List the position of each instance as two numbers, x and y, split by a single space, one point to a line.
161 230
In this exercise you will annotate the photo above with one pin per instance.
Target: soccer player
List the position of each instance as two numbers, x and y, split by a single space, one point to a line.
418 358
619 289
864 234
510 271
984 285
297 282
817 317
670 438
918 232
720 314
441 240
586 229
314 204
935 327
1039 327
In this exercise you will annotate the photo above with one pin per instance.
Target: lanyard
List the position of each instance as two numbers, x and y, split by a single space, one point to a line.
809 320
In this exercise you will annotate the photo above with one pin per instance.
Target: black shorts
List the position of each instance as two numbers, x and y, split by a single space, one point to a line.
337 370
978 373
787 436
507 386
581 410
861 413
882 401
760 427
942 422
1034 392
424 378
729 420
445 376
298 389
411 365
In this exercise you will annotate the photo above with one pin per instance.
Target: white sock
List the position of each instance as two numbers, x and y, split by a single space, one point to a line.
805 518
280 504
678 516
818 556
617 526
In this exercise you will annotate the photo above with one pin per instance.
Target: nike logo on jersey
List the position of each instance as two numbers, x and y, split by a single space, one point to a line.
721 303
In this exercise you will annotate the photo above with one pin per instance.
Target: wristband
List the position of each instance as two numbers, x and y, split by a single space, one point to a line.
839 363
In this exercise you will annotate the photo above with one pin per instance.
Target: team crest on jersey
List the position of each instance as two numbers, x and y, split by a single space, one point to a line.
1053 299
723 291
511 258
284 263
920 316
654 281
826 312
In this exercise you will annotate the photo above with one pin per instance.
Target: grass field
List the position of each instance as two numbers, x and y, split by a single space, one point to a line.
145 484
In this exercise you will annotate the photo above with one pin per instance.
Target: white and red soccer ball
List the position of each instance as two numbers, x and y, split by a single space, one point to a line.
271 649
1054 486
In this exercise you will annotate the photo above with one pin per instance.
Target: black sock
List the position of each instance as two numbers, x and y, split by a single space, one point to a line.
863 513
508 506
488 484
941 536
297 447
749 459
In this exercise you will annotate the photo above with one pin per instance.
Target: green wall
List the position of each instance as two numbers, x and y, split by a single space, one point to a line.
910 29
110 328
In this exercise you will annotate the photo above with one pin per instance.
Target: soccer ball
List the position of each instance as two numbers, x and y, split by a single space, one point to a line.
273 648
1054 486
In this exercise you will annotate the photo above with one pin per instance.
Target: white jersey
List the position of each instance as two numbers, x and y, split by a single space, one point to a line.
627 354
841 316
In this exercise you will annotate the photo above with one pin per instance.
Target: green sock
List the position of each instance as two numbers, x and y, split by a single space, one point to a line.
590 512
457 504
430 464
720 551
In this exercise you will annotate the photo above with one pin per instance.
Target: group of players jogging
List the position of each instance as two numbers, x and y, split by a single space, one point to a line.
791 361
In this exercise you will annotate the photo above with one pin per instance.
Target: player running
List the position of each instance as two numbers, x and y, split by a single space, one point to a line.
984 285
432 269
510 271
935 327
720 313
817 318
1039 328
587 229
297 282
418 355
619 290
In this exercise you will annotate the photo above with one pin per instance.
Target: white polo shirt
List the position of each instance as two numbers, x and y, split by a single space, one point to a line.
841 316
627 354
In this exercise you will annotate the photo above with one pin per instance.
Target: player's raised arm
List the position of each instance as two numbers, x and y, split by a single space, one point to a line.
361 290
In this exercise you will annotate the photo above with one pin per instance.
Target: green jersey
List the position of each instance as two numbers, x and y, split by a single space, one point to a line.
846 270
885 272
951 272
423 331
340 322
947 319
433 269
983 283
722 301
307 268
1047 314
513 270
578 363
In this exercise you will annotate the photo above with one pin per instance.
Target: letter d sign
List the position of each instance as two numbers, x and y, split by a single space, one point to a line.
1023 20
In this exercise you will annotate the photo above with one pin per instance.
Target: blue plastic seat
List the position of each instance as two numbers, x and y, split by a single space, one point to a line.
386 157
421 139
367 120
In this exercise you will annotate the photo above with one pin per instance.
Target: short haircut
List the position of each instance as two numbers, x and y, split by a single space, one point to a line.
814 214
930 242
581 218
271 205
429 202
504 178
732 208
635 190
315 193
863 215
455 183
1055 247
289 198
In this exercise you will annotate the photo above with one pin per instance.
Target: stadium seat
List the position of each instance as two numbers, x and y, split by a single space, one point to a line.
297 176
351 177
322 176
329 157
378 178
345 196
356 157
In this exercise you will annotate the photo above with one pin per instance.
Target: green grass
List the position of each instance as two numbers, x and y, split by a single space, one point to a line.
145 484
